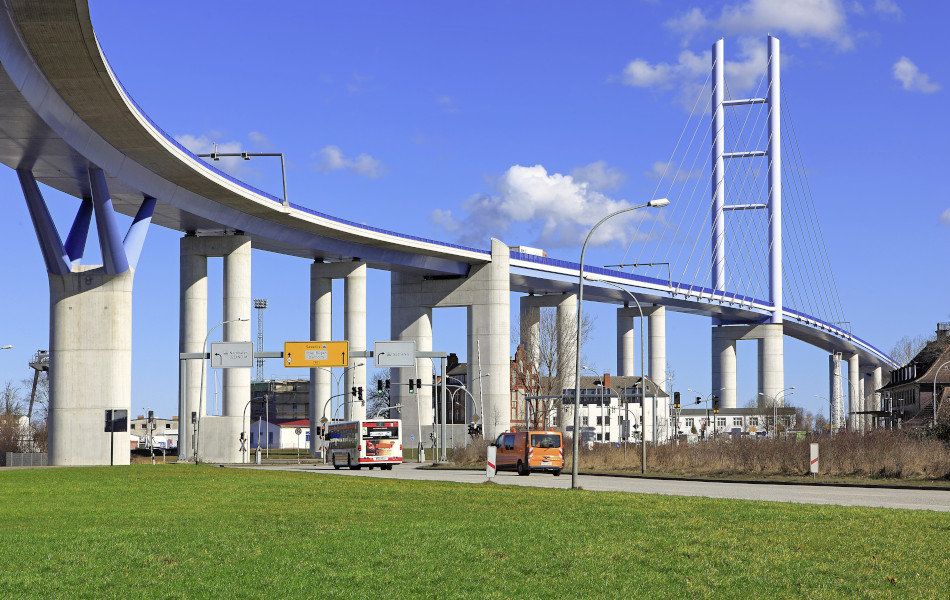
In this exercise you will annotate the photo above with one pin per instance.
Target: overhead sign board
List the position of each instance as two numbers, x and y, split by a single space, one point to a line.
316 354
232 355
394 354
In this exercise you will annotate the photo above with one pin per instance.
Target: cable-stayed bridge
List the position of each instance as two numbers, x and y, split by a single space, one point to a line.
741 246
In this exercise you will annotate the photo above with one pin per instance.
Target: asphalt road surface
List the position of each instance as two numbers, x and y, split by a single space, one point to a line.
911 499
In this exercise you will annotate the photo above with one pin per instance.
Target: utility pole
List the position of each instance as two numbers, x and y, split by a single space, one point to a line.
260 304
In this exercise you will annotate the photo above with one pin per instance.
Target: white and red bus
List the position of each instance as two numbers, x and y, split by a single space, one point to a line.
375 443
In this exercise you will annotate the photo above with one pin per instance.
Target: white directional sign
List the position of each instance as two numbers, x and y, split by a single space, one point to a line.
232 355
394 354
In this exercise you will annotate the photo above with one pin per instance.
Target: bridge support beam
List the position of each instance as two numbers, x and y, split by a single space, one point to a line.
625 340
219 435
876 383
854 401
566 322
485 293
90 338
322 274
771 368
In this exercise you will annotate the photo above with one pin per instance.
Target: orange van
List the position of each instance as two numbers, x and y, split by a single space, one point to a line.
527 451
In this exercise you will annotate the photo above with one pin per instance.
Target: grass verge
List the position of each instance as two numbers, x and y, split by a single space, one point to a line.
199 532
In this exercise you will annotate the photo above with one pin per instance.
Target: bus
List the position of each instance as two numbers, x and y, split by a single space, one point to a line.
375 443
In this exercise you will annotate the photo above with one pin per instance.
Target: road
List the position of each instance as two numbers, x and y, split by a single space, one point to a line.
910 499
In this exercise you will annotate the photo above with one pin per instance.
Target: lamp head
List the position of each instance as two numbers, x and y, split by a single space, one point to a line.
659 202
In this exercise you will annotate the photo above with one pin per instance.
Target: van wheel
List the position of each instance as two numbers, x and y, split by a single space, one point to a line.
557 472
522 469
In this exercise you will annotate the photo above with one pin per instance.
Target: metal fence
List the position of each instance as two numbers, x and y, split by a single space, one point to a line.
24 459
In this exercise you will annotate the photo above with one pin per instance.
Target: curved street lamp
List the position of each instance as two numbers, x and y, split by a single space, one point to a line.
580 305
933 398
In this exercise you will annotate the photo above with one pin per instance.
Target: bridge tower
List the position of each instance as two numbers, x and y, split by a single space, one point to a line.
769 333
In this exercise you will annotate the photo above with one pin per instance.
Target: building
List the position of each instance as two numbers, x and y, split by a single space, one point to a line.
280 435
611 410
164 434
280 399
703 423
908 397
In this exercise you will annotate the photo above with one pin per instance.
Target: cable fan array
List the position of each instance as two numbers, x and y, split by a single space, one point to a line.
682 241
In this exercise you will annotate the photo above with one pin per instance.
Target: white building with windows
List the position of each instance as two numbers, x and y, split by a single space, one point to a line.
734 421
612 413
280 435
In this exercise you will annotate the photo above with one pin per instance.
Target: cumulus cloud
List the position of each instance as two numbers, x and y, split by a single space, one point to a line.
555 210
820 19
911 78
690 69
330 158
599 176
206 144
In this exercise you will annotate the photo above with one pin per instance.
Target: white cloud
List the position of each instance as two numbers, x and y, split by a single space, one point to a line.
888 8
911 78
742 75
447 104
260 140
665 170
331 159
945 217
555 210
599 176
821 19
205 144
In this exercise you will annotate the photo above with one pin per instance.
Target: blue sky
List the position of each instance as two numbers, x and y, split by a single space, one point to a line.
434 118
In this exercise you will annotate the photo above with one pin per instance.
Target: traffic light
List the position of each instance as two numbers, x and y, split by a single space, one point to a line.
151 416
419 384
715 404
412 389
379 386
387 385
676 399
359 394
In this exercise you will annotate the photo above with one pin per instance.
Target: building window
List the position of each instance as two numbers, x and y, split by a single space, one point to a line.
607 437
584 421
689 421
737 421
132 426
600 437
607 420
720 421
168 425
270 438
600 421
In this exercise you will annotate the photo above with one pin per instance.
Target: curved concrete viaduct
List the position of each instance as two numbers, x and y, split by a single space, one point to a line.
66 122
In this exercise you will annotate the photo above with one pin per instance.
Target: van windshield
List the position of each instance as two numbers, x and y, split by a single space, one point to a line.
545 440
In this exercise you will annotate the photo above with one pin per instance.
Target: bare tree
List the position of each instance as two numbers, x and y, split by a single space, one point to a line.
907 347
377 400
10 413
553 367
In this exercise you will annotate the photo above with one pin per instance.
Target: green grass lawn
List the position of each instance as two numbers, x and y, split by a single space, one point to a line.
180 531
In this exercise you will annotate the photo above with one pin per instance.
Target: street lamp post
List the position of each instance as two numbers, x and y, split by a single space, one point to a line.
201 385
934 398
580 306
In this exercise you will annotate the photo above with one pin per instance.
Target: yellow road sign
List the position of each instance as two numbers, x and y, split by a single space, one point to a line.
316 354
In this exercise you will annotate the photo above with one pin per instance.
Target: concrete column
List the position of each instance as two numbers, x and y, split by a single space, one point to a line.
90 365
354 330
863 383
876 384
658 368
530 329
567 337
410 321
625 340
321 326
771 361
724 382
835 395
658 346
193 327
854 366
236 385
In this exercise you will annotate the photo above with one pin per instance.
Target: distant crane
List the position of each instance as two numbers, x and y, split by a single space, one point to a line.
39 364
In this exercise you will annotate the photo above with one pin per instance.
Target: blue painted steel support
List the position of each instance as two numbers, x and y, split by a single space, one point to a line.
114 260
135 238
79 232
54 255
